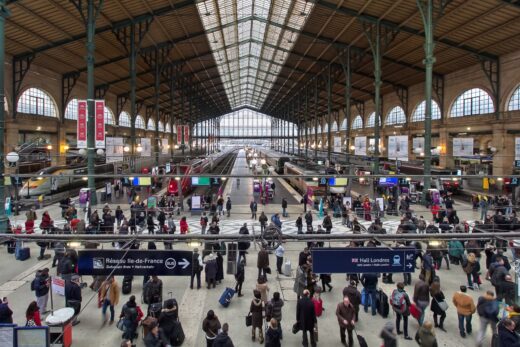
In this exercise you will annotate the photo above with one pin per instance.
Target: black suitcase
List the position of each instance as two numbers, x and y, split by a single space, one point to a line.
126 288
177 337
11 246
383 307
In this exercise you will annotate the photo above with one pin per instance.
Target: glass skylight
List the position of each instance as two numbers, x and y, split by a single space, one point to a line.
251 40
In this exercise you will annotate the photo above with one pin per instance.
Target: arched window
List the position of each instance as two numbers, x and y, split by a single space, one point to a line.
357 123
36 101
318 130
161 126
371 122
420 112
109 116
139 122
168 128
326 128
514 102
124 120
151 124
472 102
344 125
313 130
334 126
396 116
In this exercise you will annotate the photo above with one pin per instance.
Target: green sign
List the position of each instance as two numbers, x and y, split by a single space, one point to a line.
152 202
200 181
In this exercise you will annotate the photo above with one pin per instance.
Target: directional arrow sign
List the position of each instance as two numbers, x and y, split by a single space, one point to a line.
363 260
134 262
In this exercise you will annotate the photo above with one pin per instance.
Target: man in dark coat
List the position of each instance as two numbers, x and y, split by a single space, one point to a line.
262 262
240 276
306 318
73 296
243 246
354 296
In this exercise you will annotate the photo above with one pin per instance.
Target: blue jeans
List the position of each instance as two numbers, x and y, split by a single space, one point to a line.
422 305
107 303
371 293
461 324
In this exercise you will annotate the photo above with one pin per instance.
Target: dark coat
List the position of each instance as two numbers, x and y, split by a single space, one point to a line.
152 341
211 269
353 295
305 314
257 309
167 320
439 297
6 315
223 340
240 275
507 338
272 337
220 267
263 259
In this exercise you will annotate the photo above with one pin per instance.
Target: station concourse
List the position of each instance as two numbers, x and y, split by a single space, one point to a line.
124 124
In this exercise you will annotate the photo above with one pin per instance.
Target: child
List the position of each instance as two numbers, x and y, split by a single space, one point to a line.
318 303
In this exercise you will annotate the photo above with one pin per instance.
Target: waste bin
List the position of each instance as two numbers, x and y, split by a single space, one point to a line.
60 327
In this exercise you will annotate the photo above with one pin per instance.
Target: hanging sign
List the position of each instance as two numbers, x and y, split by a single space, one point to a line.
418 144
114 149
164 148
179 134
186 134
360 144
398 147
146 145
337 144
517 148
82 124
100 123
462 146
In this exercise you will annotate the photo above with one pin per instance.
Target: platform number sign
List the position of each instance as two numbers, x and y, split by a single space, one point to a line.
322 182
517 163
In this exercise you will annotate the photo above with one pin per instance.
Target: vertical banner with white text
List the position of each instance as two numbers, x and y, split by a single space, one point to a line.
100 123
179 134
82 124
187 134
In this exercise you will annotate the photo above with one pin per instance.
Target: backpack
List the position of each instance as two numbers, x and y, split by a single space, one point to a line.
34 284
151 293
399 301
131 314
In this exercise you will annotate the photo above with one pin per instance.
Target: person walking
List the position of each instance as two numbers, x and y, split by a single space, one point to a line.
262 262
223 339
465 309
425 336
240 277
131 315
369 282
243 246
263 222
284 207
253 206
41 285
388 335
401 305
263 288
300 281
203 223
421 296
273 334
354 297
306 318
327 224
73 296
279 252
308 220
196 267
299 224
346 313
487 309
273 309
507 335
228 206
211 269
211 326
6 314
256 310
108 297
438 304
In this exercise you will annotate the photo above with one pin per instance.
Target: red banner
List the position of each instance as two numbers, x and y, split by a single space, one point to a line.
100 123
186 134
82 124
179 134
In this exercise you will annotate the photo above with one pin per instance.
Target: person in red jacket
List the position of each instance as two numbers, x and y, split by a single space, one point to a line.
183 225
318 303
33 315
46 223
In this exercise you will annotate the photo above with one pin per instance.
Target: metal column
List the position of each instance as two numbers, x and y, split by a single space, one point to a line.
348 94
306 121
329 115
4 13
316 118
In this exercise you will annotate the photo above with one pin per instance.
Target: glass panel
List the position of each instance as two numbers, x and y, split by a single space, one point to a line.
472 102
420 111
37 102
396 116
124 120
358 123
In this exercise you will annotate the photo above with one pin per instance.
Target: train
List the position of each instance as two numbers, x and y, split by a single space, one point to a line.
309 184
60 180
194 167
274 159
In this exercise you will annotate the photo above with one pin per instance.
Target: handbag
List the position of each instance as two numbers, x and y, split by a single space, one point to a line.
296 328
249 320
121 325
30 323
268 270
443 305
315 332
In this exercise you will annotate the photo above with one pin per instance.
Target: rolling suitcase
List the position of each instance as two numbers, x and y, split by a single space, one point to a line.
22 253
147 323
287 271
365 297
177 337
154 310
383 307
226 297
126 287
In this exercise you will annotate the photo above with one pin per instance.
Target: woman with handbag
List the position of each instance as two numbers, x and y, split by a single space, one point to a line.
211 326
256 309
438 304
32 315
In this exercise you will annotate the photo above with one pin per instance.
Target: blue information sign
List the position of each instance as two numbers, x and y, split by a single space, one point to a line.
362 260
134 262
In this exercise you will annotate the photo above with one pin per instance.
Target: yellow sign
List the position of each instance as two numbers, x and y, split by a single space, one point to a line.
485 183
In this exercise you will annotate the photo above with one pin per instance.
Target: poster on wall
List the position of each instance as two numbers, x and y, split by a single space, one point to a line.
462 146
179 134
361 145
100 123
165 149
418 145
146 145
517 148
187 134
398 147
114 149
82 124
337 144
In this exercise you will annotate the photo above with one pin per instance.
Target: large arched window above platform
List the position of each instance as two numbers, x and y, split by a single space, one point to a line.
246 123
344 124
371 122
151 124
71 112
36 101
396 116
334 126
124 120
139 122
420 112
160 126
168 128
472 102
357 123
109 117
514 101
